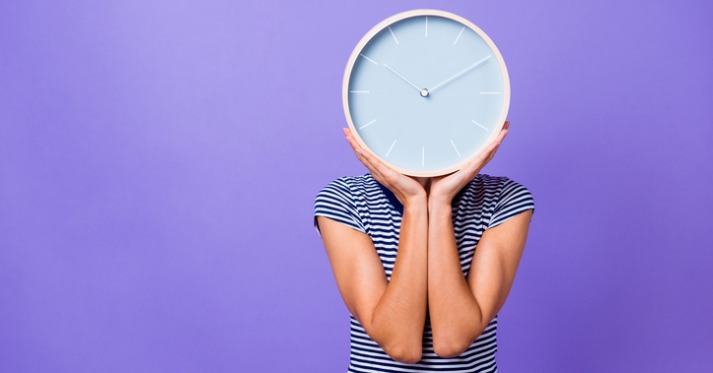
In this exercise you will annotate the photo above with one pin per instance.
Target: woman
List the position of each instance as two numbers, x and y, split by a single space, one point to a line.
424 265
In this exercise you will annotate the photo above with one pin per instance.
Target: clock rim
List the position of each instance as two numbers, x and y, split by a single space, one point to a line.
422 13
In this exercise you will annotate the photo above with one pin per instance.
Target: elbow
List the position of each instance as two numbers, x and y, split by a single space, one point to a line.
448 346
405 346
405 353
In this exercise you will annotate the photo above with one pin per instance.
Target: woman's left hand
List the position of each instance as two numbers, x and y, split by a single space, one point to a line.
444 188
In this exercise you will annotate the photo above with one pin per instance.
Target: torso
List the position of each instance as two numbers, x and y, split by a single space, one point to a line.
380 213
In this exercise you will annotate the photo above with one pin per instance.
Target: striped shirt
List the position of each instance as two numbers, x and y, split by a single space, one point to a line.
363 204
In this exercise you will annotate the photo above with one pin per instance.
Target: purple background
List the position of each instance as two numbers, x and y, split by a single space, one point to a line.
159 163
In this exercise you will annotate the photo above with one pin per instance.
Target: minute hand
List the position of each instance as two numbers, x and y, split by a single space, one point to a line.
471 67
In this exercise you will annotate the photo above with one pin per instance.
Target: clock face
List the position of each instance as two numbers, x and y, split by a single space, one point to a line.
425 91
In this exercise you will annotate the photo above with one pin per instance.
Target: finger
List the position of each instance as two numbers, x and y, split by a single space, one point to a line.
375 163
386 174
487 154
365 158
498 140
493 149
358 151
368 162
355 147
496 144
501 137
484 156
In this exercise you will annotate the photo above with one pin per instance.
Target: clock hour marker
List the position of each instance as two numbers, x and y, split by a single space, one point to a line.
393 35
358 91
423 156
455 148
391 148
426 26
369 59
459 35
366 125
489 93
480 125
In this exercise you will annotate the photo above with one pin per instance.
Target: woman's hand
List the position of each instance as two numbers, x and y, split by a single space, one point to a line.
406 188
444 188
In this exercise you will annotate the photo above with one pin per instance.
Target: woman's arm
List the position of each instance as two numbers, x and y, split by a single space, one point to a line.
460 308
393 312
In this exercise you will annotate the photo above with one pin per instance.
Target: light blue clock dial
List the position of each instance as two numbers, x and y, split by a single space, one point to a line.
425 93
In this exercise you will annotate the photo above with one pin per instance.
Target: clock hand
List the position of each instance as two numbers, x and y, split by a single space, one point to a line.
402 77
471 67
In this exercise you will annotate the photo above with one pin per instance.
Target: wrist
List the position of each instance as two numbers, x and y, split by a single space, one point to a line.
438 200
439 207
416 202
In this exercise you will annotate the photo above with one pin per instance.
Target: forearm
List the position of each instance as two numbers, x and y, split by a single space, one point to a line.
456 317
398 319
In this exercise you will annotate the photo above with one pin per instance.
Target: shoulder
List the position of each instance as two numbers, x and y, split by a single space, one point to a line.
510 196
349 186
500 185
489 186
342 198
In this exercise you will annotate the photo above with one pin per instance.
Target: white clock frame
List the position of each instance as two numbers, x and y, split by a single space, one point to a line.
425 13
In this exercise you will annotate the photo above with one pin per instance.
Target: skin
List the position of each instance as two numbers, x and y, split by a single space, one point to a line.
427 275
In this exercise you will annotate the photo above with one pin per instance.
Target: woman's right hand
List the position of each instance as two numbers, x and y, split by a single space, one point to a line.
406 188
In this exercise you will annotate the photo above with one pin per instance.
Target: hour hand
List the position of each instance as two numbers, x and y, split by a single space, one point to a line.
402 77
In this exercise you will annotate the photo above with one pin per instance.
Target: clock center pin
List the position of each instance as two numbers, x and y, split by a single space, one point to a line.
424 92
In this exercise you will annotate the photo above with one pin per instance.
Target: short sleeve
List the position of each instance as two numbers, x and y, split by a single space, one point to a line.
336 202
514 198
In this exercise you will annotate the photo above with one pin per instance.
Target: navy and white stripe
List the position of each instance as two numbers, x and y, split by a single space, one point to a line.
363 204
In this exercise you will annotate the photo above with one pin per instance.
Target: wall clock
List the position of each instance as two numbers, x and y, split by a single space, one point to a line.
424 91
